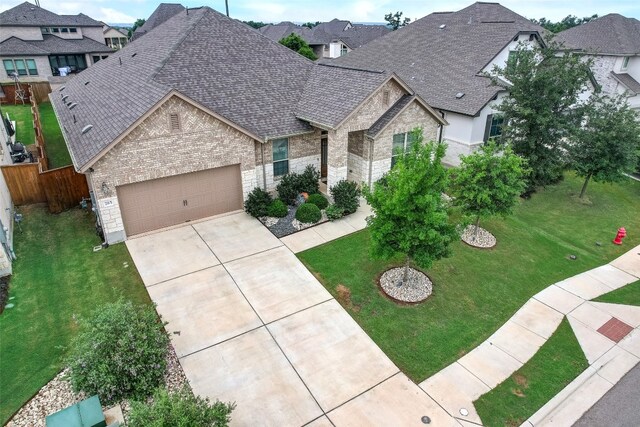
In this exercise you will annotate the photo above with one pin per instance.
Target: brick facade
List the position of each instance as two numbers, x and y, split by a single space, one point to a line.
152 150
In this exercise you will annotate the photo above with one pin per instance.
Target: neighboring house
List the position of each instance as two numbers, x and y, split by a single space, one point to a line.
443 57
115 38
163 12
6 204
613 43
204 126
328 39
36 43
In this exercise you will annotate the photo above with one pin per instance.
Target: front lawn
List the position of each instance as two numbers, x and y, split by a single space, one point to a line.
54 144
476 291
21 114
57 278
629 295
558 362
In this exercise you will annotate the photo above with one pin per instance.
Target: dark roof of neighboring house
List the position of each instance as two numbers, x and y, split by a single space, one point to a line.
628 81
391 113
359 35
332 27
613 34
259 85
326 32
51 45
277 32
439 63
30 15
163 12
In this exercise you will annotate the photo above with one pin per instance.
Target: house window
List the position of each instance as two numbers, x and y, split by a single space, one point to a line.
64 30
55 30
625 62
280 156
95 58
73 30
20 66
343 50
401 142
493 129
45 30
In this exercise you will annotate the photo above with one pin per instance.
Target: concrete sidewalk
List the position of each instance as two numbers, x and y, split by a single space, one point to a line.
458 385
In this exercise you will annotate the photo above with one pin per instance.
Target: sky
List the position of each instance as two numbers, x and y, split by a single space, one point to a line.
127 11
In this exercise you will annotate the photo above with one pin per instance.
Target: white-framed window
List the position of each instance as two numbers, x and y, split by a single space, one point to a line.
280 152
343 49
64 30
625 62
493 129
401 142
73 30
23 67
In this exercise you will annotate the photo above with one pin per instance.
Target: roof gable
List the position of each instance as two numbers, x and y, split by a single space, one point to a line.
30 15
612 34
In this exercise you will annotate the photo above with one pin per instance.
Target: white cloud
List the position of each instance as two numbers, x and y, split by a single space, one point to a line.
114 16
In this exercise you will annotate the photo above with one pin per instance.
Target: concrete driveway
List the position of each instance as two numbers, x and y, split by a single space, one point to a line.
253 326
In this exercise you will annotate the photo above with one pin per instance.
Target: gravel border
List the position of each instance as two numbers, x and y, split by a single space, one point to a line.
57 395
485 240
281 227
418 288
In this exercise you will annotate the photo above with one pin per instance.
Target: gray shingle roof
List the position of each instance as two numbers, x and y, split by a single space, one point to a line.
391 113
628 81
30 15
613 34
439 63
51 45
331 93
359 35
278 31
13 46
163 12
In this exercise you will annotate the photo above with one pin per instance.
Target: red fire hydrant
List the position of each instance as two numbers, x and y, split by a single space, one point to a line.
622 233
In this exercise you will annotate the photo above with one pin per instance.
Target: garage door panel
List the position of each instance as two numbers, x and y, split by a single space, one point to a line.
158 203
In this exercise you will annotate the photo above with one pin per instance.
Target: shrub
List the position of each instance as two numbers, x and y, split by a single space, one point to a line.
119 353
346 195
181 408
277 209
257 203
309 181
334 212
319 200
289 188
308 213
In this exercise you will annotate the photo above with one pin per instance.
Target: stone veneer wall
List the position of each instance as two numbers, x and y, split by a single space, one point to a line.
602 67
362 119
152 150
456 149
303 150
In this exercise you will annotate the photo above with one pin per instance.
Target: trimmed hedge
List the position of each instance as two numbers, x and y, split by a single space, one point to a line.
334 212
277 209
319 200
346 195
308 213
257 203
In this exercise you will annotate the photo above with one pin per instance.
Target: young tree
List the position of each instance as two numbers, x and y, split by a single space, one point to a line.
410 215
139 23
255 24
567 22
542 106
311 24
395 20
607 144
297 44
489 181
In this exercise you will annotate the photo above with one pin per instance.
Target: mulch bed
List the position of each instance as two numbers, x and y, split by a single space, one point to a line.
4 291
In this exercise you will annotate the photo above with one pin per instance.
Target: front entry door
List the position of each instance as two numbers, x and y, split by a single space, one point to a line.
324 156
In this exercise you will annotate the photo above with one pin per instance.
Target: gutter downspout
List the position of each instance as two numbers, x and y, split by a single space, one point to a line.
370 159
441 128
264 169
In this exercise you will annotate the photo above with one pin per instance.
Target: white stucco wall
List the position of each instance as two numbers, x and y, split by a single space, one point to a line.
501 58
334 49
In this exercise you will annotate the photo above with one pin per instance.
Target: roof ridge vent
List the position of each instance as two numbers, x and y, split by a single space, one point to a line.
443 26
459 95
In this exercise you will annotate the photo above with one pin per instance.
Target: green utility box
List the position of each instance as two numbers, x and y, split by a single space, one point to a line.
87 413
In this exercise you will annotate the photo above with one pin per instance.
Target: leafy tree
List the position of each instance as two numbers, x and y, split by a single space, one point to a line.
567 22
395 20
255 24
489 181
297 44
139 23
410 215
120 353
311 24
608 143
542 106
181 408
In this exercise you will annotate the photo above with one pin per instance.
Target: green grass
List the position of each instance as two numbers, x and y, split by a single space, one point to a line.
476 291
558 362
629 295
21 114
54 144
56 278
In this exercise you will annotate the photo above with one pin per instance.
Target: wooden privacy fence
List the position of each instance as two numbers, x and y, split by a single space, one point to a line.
61 188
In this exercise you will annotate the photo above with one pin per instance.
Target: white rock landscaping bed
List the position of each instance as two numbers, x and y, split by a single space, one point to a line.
484 239
57 395
418 288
